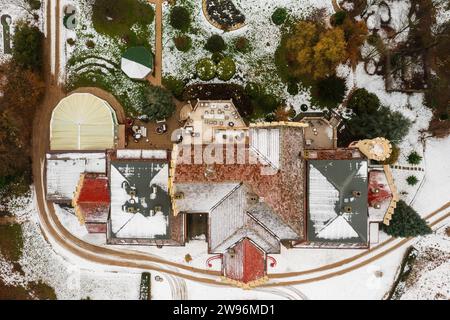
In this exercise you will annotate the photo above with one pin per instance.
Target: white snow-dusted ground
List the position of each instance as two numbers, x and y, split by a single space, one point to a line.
430 273
412 107
436 188
70 280
369 282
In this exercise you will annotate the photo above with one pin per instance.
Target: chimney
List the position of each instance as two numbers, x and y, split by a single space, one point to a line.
348 209
356 194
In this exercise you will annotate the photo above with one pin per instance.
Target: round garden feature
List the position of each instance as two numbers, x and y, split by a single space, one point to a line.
223 14
137 63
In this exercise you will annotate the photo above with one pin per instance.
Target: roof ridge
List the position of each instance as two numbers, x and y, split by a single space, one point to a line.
253 148
260 223
246 230
226 196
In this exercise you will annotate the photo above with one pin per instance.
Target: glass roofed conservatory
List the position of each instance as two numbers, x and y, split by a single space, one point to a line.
82 121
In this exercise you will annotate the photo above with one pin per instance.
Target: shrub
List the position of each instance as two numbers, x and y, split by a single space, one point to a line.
11 241
115 18
394 155
338 18
268 103
242 44
183 43
90 44
206 69
226 69
174 85
34 4
180 18
414 158
292 88
216 57
279 16
373 39
252 89
71 42
215 43
27 46
159 105
412 180
329 92
362 101
406 222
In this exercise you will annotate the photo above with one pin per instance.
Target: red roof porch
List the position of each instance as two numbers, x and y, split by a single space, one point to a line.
244 262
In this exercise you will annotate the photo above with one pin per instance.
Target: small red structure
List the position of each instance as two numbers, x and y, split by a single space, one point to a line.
92 201
379 190
244 262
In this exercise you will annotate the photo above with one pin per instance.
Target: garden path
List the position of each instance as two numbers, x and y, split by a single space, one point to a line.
156 77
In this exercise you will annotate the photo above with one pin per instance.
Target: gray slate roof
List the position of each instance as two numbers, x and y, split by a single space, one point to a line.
331 185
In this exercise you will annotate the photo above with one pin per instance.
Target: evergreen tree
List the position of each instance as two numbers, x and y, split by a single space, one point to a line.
160 104
180 18
363 101
382 123
371 120
174 85
27 46
406 222
412 180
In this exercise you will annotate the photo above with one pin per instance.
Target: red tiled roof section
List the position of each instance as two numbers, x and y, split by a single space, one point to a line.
92 201
283 191
94 189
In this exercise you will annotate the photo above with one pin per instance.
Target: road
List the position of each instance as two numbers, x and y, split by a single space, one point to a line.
64 242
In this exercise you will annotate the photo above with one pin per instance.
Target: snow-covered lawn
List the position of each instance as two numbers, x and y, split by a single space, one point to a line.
429 271
412 107
84 65
256 66
435 191
70 280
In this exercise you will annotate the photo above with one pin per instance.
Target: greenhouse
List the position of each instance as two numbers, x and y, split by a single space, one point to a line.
82 121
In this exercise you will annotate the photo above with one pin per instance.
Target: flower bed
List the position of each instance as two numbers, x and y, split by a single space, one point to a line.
223 14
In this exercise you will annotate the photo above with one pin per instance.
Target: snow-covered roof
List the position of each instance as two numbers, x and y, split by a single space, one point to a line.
141 154
64 169
146 220
266 143
337 201
229 223
202 197
266 216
